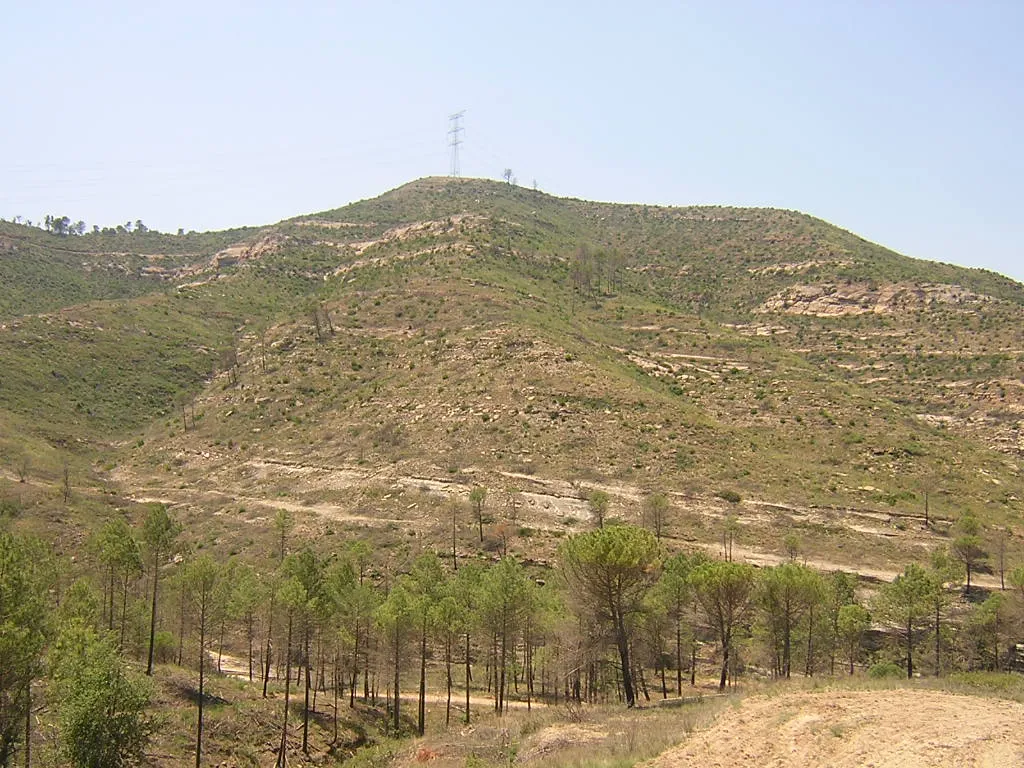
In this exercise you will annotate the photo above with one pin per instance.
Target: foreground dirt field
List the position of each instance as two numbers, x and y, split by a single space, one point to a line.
884 729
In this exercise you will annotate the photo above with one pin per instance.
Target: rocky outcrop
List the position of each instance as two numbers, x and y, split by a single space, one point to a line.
837 299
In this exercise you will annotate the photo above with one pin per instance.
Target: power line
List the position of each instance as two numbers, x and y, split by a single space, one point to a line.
454 130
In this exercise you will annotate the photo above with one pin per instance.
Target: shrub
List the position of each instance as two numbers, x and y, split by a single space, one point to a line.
164 647
885 669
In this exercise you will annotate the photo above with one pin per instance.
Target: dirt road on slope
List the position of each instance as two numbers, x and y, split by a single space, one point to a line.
848 729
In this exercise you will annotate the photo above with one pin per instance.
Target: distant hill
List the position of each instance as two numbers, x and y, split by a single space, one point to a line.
473 332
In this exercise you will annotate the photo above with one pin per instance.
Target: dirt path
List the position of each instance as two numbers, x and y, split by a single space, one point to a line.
766 559
884 729
547 505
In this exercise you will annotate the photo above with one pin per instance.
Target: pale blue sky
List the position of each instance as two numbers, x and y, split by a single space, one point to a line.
899 121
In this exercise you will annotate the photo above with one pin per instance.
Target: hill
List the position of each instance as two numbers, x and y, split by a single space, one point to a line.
320 419
391 354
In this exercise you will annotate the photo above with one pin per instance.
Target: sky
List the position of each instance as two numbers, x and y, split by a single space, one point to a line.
900 121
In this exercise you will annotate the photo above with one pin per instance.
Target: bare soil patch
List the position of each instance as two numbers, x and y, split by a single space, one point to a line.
885 729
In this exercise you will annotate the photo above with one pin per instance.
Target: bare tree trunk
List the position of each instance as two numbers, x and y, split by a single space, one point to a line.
679 659
282 755
152 614
270 646
468 678
28 724
202 679
910 649
355 669
725 666
448 679
249 632
422 712
622 641
305 704
398 661
338 677
124 613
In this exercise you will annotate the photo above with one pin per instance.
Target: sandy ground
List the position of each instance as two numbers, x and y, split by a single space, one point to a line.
883 729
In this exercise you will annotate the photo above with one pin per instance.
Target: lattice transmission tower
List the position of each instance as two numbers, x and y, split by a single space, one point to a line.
455 131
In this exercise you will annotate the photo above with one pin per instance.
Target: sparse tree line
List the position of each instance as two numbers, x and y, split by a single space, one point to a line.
594 273
64 226
617 620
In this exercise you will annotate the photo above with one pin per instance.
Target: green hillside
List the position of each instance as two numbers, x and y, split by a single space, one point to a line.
476 324
383 440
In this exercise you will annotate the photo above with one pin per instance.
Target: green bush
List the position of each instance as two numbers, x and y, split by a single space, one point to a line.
885 669
164 647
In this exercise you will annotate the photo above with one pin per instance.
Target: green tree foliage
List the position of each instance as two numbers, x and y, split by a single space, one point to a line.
25 577
968 545
786 595
293 596
655 513
1016 578
839 592
80 602
427 582
247 593
905 604
396 618
598 502
317 604
200 581
159 532
448 619
611 569
121 557
101 704
284 522
674 595
358 612
853 622
477 499
725 592
504 603
108 544
467 589
987 628
943 570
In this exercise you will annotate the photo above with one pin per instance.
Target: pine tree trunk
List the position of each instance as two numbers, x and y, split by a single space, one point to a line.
468 678
270 647
448 679
305 703
202 679
282 755
152 613
337 678
725 666
124 613
397 676
421 714
679 659
910 649
249 632
622 641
